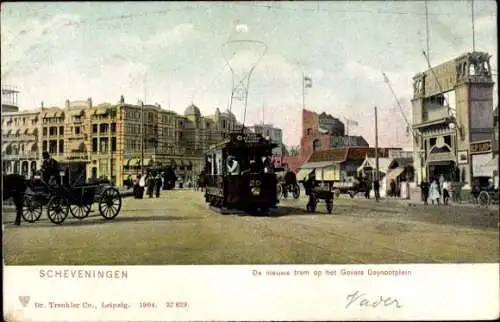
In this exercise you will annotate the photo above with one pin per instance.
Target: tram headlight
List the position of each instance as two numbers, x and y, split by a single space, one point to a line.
255 191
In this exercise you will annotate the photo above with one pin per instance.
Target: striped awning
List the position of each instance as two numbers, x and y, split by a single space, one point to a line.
303 174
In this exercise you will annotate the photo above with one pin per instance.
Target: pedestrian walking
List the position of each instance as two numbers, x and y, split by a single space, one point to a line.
137 187
434 192
158 185
142 185
150 182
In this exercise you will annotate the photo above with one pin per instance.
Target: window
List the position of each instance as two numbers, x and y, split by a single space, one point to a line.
94 145
309 131
113 127
61 146
447 140
316 145
61 130
44 131
52 130
103 128
113 144
432 141
53 146
94 128
44 146
77 130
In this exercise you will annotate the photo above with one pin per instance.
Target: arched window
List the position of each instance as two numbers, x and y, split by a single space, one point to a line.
316 145
309 131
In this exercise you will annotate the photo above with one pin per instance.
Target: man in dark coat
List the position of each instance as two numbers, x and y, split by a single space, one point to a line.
50 169
158 185
310 184
150 183
376 188
424 188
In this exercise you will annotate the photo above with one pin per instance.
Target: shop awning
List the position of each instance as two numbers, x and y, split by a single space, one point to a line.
394 173
487 169
303 174
316 165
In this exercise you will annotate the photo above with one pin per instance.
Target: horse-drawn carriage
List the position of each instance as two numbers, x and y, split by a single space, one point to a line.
317 194
71 194
252 188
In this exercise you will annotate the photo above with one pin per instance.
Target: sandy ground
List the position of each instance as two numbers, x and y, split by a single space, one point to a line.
178 228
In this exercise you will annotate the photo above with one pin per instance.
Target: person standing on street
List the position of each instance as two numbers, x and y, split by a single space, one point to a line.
424 188
151 183
376 187
434 192
445 191
142 185
158 184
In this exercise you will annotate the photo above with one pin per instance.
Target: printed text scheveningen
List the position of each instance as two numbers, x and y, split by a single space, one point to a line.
83 274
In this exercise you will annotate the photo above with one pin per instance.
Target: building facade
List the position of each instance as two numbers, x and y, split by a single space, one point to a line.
323 132
276 136
115 140
452 112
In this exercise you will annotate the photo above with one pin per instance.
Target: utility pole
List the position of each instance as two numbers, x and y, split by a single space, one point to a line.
473 31
376 153
142 138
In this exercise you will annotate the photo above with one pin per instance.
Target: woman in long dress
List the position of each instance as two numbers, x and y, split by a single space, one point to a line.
434 192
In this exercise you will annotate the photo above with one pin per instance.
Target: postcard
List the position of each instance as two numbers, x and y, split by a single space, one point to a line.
260 161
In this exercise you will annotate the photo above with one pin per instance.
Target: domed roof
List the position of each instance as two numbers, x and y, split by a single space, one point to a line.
192 110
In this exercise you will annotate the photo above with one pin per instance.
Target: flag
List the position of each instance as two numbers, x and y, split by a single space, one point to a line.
307 82
351 122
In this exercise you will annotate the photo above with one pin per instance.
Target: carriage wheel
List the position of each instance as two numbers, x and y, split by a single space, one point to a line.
79 211
110 203
296 191
484 199
57 210
32 208
329 206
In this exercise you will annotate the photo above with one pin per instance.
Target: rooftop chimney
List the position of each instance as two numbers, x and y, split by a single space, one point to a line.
89 102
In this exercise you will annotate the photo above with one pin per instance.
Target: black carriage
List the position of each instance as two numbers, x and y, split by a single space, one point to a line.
71 194
253 188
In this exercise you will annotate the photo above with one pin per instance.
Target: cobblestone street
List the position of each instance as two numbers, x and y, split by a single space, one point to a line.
178 228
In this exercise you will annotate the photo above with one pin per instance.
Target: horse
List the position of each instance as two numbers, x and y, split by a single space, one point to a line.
14 186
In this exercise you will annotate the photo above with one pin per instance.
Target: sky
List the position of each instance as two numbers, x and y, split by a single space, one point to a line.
173 54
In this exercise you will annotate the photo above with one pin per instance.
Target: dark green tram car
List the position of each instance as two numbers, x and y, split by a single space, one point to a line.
239 174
